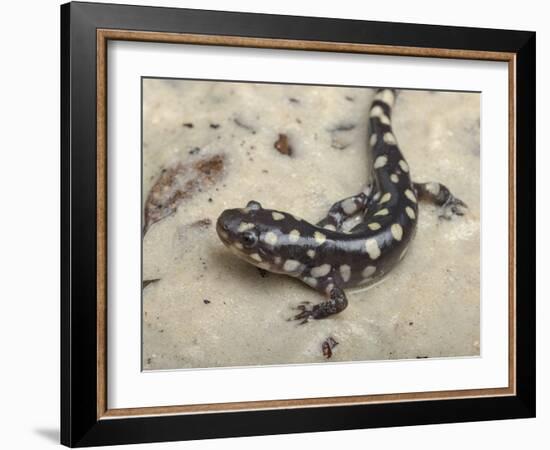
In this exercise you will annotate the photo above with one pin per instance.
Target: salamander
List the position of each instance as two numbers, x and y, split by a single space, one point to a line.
324 255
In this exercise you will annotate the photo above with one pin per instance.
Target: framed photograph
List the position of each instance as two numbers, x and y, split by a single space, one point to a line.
277 224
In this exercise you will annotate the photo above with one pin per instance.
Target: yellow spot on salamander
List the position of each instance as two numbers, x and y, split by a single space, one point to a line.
397 231
386 96
319 237
368 271
310 281
243 226
256 257
320 271
380 162
372 141
270 238
385 198
291 265
345 272
410 195
376 111
433 188
349 206
371 246
389 138
384 119
294 236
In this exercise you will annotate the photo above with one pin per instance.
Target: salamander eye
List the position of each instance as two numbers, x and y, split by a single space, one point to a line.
249 239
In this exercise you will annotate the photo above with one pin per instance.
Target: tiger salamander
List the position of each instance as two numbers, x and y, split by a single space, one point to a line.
325 256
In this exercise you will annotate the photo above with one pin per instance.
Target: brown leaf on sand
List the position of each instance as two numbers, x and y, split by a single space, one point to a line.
202 223
177 183
148 282
282 145
327 346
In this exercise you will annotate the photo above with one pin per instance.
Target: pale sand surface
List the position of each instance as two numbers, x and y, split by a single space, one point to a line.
429 306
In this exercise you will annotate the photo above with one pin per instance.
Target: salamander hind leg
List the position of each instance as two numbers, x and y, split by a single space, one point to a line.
440 195
337 302
345 209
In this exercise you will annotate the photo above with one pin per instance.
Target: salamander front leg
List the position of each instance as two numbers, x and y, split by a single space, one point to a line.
336 303
440 195
344 209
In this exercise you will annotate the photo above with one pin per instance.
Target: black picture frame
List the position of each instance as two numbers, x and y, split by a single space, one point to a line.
81 424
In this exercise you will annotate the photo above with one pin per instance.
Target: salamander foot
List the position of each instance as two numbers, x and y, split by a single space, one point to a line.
440 195
307 313
337 302
452 207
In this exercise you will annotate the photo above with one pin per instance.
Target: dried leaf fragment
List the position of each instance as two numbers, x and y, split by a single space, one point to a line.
241 124
344 127
179 182
202 223
327 346
148 282
282 145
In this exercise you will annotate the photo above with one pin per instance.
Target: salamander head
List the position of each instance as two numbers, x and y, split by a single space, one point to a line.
262 237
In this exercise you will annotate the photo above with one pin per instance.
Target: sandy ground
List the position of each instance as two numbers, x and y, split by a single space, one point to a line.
210 309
